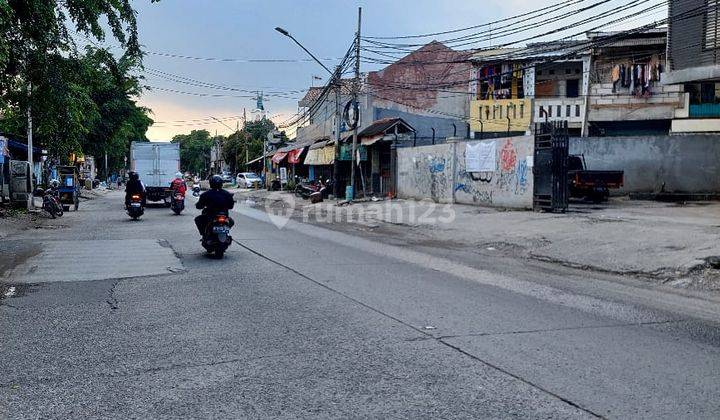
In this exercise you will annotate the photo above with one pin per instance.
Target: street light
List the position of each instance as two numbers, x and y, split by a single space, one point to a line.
334 80
287 34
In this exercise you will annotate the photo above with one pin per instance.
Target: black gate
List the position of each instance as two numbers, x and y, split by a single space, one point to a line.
550 167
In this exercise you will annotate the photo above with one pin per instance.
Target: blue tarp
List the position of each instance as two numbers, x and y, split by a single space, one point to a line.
22 146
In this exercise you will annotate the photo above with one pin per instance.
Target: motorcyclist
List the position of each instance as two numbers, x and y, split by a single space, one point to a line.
212 202
134 186
178 184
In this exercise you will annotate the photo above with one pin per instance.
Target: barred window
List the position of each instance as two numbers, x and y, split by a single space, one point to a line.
712 25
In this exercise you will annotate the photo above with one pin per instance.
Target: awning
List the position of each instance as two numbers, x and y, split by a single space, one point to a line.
369 141
324 156
278 157
255 160
294 155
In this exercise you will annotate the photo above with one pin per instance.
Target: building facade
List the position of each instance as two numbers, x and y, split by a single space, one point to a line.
694 64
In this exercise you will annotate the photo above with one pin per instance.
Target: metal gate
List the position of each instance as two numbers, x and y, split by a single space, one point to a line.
550 167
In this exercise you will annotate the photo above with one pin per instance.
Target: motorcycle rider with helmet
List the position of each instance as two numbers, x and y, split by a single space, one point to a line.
212 202
178 184
134 186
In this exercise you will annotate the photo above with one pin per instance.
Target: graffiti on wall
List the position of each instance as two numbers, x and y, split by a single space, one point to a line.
521 175
436 165
508 157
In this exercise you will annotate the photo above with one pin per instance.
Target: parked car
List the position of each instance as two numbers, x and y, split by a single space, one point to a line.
248 180
226 177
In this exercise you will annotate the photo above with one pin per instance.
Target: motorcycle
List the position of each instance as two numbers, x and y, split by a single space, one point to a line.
135 209
217 239
51 202
178 202
306 189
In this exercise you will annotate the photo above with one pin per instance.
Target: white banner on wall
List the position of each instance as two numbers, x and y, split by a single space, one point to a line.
480 157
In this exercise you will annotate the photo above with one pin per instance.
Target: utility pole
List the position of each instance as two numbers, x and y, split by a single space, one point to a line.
247 141
31 203
337 80
356 91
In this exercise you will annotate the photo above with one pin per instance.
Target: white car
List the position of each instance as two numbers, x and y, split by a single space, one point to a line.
248 180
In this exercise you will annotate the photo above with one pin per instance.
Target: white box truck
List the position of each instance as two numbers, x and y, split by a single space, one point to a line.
156 163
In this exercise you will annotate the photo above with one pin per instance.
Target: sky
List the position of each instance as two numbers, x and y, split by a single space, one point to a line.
244 29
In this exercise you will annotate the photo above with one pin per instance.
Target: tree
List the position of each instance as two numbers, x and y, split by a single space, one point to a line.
40 66
84 106
195 151
247 144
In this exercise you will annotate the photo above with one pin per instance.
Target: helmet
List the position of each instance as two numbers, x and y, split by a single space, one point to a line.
54 183
133 176
216 182
179 175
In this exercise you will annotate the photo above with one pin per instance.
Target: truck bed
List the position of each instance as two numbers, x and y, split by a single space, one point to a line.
595 179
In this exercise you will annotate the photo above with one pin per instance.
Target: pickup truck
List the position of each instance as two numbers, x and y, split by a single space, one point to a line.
591 185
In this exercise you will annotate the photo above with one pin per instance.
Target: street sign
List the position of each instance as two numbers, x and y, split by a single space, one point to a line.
283 175
351 115
274 137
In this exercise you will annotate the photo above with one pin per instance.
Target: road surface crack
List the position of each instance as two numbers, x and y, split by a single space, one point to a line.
112 300
426 333
586 327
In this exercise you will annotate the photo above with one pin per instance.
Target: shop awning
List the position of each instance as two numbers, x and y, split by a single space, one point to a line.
294 155
278 157
369 141
323 156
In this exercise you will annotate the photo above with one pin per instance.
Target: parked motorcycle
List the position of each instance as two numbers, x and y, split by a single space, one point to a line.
217 239
178 202
135 209
307 189
51 202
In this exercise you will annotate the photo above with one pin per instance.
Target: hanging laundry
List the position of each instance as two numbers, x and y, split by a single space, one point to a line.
615 77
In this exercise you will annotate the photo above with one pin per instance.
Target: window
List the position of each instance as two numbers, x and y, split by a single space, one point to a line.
577 110
542 111
559 110
573 88
712 27
522 110
567 110
549 114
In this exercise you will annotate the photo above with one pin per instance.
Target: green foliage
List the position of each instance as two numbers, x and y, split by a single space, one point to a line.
81 100
195 151
247 144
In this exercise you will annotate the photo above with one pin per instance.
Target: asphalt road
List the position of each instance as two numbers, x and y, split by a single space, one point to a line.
304 322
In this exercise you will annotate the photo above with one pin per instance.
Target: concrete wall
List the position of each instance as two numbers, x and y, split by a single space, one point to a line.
606 105
438 173
682 164
426 173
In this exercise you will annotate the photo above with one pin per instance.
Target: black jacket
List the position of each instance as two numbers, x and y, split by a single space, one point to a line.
213 201
134 187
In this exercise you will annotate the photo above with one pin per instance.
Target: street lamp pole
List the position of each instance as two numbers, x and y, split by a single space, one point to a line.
287 34
336 82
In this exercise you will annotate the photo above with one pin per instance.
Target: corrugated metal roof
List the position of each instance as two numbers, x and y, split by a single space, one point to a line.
382 126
